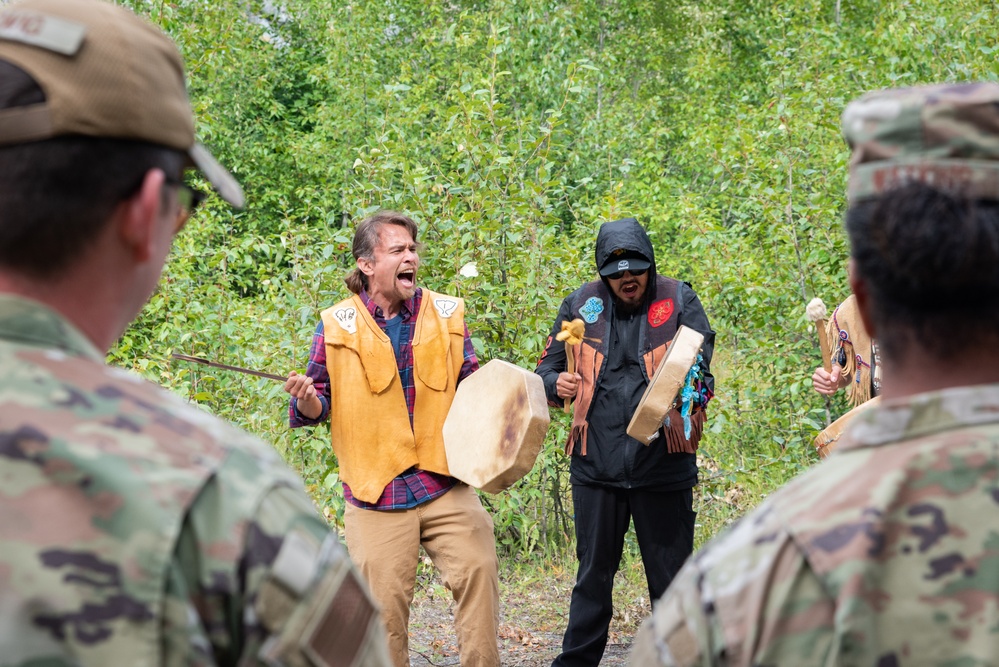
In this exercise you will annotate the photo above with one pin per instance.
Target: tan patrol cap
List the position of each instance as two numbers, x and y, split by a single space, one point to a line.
105 72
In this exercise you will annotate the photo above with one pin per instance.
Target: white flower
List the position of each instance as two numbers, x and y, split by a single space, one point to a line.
469 270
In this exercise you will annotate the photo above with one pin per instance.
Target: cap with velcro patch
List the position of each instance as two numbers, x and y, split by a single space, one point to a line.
944 135
104 72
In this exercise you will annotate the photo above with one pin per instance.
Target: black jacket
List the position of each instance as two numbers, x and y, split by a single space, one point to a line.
613 458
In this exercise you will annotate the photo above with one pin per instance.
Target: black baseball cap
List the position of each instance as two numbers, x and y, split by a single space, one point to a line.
627 262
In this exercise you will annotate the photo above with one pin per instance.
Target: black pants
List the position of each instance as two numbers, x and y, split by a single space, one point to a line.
664 526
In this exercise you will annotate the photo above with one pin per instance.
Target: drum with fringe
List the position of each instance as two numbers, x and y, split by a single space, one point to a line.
660 397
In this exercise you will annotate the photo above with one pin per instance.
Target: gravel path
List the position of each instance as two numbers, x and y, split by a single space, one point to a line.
533 612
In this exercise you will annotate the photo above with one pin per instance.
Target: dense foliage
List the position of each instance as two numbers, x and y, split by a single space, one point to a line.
509 130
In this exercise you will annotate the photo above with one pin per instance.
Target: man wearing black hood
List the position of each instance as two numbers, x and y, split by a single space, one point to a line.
630 316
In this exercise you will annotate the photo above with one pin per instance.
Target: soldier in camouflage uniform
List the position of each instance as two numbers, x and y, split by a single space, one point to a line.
134 529
886 553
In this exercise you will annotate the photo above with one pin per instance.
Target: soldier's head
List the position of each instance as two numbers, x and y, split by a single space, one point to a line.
94 121
923 219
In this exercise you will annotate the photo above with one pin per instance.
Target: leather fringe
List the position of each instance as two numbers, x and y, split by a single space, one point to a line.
577 434
675 442
847 333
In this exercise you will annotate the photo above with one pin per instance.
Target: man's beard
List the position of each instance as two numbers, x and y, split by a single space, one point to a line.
626 308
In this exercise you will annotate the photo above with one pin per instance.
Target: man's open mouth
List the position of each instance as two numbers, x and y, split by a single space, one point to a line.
630 289
407 278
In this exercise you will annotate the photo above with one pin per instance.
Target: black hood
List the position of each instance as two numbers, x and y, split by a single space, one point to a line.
627 235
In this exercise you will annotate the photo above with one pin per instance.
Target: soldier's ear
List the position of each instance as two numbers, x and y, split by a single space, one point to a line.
136 218
863 293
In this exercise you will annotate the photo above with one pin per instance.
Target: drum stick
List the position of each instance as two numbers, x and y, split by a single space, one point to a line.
571 334
215 364
816 311
570 366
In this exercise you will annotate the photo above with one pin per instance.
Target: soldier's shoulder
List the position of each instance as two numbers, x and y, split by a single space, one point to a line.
753 538
79 399
720 597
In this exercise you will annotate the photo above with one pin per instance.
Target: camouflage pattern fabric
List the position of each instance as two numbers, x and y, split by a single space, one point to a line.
944 135
138 530
885 554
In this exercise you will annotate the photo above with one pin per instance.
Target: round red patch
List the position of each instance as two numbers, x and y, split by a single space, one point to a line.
660 311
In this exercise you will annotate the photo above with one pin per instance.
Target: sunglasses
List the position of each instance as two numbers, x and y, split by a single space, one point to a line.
188 198
617 275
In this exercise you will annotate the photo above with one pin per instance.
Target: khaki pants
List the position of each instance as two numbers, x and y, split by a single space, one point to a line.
457 533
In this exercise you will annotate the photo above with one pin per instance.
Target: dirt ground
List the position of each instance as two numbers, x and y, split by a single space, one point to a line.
534 607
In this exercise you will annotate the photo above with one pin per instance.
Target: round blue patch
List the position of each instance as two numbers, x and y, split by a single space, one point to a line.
591 309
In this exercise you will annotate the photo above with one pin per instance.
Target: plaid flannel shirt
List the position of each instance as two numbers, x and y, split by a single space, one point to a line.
413 486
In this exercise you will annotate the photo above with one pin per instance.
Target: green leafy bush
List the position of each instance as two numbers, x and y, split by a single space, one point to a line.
509 131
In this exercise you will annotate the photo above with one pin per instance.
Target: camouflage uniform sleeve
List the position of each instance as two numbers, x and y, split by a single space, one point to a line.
749 598
272 586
